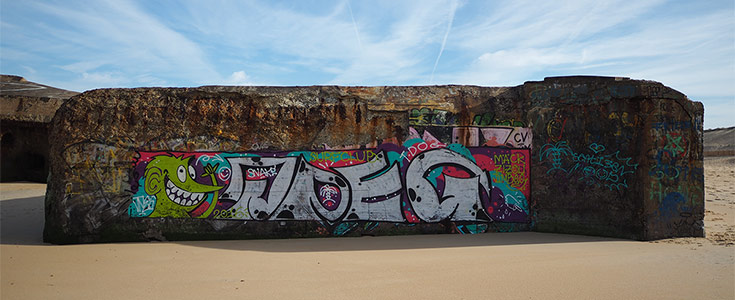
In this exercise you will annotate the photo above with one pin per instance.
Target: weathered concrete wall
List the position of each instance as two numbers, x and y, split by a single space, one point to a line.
24 129
580 155
618 158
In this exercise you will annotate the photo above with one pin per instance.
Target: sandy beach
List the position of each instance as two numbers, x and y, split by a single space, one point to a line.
525 265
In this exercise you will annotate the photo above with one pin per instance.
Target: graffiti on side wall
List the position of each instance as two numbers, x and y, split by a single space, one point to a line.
676 178
591 166
421 180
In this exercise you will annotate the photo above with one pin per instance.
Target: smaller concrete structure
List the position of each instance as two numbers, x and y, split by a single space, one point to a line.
26 109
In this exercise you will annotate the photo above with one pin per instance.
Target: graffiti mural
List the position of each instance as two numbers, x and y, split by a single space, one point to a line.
421 180
591 166
676 179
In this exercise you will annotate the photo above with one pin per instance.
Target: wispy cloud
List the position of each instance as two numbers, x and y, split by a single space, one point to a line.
95 40
689 46
341 44
357 32
399 55
452 10
610 38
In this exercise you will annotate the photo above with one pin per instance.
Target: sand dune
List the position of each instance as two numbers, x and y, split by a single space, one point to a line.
523 265
719 142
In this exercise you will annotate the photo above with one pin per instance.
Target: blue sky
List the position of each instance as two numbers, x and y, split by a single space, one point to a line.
81 45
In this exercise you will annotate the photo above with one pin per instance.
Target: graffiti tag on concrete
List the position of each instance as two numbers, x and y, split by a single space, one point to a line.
418 181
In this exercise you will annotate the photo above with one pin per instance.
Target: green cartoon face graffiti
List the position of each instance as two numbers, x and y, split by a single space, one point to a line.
172 180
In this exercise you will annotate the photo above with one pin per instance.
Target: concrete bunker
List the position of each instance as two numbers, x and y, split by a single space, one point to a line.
585 155
26 109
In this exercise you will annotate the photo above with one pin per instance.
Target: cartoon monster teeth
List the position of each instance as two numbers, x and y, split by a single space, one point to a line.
173 181
183 197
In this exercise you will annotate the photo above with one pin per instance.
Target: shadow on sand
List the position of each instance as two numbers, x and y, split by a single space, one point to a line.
22 220
396 242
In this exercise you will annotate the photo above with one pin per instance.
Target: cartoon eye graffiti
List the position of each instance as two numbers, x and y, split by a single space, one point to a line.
328 196
181 173
192 173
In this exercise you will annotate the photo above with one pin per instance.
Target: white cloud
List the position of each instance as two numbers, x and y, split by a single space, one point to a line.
29 69
101 78
403 55
686 45
117 36
238 78
353 48
611 37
